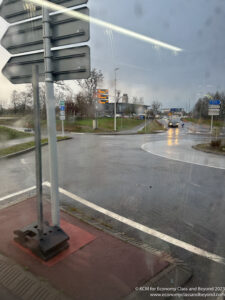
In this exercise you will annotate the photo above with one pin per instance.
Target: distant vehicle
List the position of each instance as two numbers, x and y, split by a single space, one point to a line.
173 123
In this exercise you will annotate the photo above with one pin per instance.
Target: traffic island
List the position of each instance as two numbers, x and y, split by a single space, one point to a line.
208 148
96 265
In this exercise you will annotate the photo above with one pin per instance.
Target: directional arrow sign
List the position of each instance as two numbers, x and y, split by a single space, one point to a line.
65 30
214 102
68 64
18 10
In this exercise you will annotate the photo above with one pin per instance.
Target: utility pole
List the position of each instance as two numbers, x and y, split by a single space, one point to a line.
116 69
51 121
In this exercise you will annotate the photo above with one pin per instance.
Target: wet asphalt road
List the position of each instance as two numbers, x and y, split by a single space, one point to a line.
183 200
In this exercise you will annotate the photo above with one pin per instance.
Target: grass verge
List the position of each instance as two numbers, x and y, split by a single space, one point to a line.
10 134
104 125
24 146
152 127
216 123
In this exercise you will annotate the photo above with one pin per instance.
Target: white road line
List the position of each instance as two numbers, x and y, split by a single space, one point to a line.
76 132
17 193
143 228
20 192
176 159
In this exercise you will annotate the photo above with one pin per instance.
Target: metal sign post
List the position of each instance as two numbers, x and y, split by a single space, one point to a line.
213 110
63 128
66 63
51 120
116 69
62 114
145 120
35 84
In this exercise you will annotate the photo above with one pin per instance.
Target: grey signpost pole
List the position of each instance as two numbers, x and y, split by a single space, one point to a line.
35 85
116 69
50 107
145 121
211 127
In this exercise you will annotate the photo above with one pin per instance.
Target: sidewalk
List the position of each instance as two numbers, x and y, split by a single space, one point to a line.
97 265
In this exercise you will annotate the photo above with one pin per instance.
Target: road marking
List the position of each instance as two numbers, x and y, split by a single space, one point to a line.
77 132
176 159
143 228
21 192
17 193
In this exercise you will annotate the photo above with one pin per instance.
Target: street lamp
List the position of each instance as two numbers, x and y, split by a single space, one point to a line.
116 69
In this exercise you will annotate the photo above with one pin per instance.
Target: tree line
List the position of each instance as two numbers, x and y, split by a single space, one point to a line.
81 104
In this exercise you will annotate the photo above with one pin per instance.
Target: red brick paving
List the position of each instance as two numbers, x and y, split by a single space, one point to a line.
106 268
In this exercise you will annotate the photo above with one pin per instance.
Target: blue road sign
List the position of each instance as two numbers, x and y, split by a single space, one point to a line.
175 109
214 102
62 107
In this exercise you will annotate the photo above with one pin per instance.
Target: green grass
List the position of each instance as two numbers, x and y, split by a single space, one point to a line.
10 134
80 125
152 127
217 123
24 146
104 124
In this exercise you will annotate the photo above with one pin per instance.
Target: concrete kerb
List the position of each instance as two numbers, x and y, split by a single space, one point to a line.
132 133
29 150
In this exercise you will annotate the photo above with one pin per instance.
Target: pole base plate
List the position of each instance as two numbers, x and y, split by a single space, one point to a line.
46 244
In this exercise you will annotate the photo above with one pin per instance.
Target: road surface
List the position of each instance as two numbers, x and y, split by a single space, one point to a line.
157 181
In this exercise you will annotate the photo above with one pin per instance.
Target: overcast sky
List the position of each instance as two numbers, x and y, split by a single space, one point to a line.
196 26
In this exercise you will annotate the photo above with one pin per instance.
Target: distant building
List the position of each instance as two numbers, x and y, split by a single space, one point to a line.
125 98
123 108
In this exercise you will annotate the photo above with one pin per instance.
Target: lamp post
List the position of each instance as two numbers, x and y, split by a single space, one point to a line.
116 69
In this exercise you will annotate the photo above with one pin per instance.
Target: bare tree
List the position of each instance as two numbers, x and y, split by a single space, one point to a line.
15 101
136 100
201 107
155 107
89 86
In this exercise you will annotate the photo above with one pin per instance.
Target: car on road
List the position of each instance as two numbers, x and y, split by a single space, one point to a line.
173 123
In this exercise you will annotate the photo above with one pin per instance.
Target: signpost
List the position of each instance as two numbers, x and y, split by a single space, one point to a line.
65 30
69 63
17 10
213 110
62 114
50 30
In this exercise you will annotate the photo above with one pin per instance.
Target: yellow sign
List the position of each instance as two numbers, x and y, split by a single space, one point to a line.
102 91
